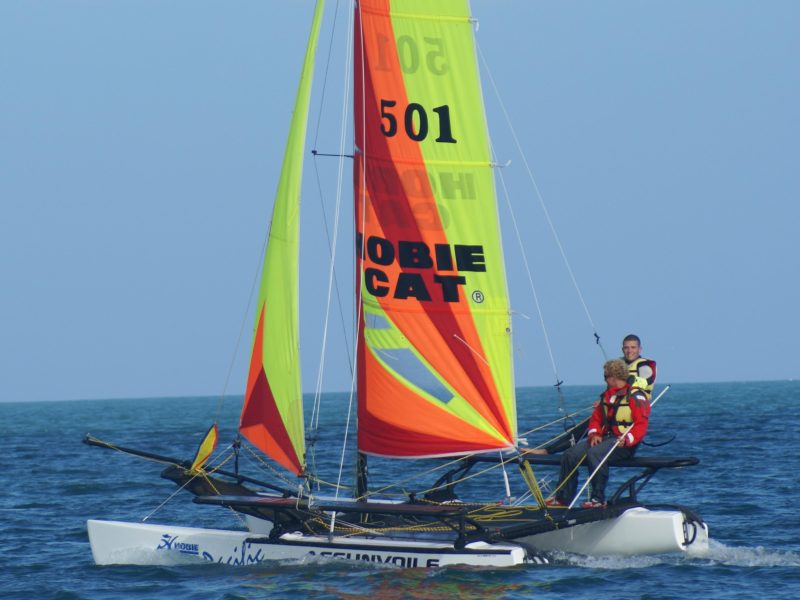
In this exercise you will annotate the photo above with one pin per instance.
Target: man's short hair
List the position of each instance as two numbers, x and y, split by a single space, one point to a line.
632 338
616 368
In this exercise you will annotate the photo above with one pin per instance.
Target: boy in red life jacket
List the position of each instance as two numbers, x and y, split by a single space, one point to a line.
641 374
623 411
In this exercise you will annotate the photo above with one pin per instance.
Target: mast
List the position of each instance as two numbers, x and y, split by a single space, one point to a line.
362 477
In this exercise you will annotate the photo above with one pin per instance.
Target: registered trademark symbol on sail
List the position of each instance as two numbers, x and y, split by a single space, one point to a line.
478 297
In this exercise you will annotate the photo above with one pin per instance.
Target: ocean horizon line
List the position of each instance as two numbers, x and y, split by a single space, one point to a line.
337 392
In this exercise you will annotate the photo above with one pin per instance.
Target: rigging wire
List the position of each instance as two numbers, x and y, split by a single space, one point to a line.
529 273
325 75
414 476
331 250
332 279
245 316
315 153
200 473
561 403
539 196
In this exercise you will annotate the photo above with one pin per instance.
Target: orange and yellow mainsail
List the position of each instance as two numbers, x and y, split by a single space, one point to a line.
272 415
434 364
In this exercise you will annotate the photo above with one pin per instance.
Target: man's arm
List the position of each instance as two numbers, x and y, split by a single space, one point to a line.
647 370
596 426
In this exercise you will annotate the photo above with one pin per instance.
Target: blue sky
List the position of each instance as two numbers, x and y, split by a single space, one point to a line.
140 144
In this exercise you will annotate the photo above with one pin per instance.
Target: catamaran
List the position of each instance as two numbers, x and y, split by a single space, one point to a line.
433 368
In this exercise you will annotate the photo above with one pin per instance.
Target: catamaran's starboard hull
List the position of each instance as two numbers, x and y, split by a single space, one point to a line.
637 531
116 542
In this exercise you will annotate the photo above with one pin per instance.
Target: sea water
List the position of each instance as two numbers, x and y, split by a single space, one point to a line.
745 487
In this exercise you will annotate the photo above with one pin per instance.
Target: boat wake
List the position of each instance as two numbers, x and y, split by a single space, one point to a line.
147 558
610 563
743 556
717 554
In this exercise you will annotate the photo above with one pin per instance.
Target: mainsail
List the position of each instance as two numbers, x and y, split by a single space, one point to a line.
434 356
272 415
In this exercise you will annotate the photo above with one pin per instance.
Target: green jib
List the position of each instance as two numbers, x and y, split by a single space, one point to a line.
274 383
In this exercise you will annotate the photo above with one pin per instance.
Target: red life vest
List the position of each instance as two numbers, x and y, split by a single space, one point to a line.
624 410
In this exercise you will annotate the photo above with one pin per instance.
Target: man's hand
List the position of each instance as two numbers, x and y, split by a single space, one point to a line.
594 440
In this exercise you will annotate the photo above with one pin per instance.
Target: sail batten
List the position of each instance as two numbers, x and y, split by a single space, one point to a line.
435 376
272 415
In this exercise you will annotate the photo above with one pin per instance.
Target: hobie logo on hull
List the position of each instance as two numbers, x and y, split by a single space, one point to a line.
170 542
423 259
398 560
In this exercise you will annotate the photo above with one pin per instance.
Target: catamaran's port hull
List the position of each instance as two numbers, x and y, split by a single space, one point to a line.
116 542
637 531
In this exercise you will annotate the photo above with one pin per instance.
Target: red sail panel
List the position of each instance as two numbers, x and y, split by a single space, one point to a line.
261 422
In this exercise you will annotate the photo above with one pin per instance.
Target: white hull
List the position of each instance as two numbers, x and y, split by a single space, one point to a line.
115 542
637 531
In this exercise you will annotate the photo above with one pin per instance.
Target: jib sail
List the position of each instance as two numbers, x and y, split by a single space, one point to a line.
272 415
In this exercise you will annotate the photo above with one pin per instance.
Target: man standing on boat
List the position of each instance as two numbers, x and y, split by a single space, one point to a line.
641 369
621 417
